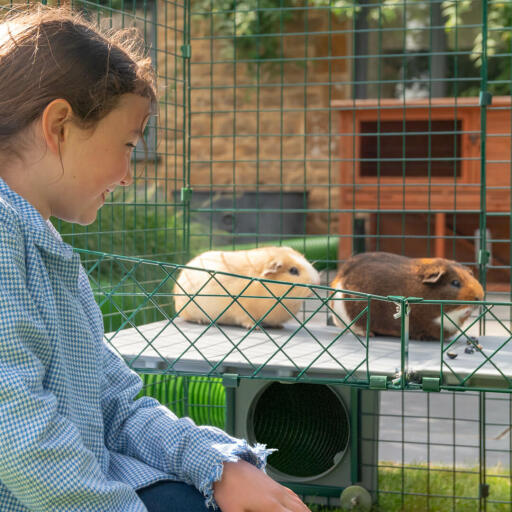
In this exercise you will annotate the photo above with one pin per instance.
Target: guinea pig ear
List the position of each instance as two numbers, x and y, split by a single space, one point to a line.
432 274
273 267
469 269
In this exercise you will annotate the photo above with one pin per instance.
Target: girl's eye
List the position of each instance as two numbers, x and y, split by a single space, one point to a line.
130 145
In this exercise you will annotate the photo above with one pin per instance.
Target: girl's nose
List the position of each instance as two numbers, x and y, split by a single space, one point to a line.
128 178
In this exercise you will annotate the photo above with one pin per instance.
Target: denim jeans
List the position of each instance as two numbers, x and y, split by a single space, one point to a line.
172 497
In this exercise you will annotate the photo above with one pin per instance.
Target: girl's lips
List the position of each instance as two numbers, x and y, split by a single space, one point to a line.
104 194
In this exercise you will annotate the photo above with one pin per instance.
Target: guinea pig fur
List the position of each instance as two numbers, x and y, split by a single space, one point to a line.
204 297
384 274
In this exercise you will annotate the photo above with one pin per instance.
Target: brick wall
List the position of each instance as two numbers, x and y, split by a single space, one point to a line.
259 125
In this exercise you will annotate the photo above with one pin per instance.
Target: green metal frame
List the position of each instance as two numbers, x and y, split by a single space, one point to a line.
266 95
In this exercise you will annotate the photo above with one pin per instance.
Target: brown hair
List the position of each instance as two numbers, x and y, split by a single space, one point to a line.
49 53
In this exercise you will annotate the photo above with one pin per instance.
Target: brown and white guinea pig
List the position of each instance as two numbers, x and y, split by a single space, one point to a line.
384 274
214 294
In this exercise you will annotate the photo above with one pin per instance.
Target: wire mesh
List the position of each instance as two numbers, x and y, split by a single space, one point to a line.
335 127
440 451
146 219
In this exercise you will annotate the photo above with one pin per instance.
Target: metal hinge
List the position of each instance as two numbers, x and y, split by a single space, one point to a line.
431 384
378 382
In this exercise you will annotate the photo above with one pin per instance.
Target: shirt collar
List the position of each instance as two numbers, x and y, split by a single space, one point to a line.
34 226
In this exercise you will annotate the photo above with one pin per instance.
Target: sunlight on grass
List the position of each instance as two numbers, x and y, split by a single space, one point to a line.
419 488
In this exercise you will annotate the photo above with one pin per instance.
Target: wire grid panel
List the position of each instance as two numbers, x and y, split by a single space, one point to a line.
146 219
353 127
157 324
143 326
443 451
331 128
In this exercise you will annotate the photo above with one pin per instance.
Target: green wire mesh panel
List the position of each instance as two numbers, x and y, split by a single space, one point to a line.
146 219
444 451
335 127
145 321
355 126
309 424
331 127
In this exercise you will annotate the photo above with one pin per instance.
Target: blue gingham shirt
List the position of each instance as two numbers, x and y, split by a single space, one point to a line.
72 438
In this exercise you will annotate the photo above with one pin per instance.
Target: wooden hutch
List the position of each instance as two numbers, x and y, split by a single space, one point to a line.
421 156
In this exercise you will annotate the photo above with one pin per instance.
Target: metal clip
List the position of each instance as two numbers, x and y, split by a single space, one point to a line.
186 51
186 194
485 98
398 313
483 257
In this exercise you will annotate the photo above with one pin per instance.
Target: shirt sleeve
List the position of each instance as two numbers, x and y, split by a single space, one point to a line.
150 432
43 461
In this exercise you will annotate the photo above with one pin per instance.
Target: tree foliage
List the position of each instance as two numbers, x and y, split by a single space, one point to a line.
254 27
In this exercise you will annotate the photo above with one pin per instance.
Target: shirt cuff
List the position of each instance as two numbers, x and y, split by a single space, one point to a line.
233 452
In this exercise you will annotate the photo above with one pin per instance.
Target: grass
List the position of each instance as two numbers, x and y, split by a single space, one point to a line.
441 489
437 489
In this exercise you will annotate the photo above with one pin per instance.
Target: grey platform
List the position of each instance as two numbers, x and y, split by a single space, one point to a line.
314 351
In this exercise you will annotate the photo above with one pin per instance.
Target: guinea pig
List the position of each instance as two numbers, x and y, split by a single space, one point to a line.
215 299
384 274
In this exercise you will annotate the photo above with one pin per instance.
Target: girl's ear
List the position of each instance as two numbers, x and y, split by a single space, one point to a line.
55 123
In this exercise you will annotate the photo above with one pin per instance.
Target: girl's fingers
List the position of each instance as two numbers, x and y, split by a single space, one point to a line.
294 503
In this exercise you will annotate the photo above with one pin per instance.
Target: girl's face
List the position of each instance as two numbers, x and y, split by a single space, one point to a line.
95 162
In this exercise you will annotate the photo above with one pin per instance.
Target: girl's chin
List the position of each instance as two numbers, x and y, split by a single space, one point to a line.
86 221
88 217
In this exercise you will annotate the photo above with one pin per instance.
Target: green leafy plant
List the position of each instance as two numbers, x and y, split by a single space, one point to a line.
498 39
253 29
253 25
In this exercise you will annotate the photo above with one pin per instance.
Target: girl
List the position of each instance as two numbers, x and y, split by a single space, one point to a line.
72 438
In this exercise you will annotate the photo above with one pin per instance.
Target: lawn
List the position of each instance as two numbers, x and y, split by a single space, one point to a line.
438 489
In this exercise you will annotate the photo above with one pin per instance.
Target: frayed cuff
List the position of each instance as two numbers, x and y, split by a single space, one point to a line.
233 452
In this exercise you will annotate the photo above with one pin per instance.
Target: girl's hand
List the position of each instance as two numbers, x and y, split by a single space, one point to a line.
245 488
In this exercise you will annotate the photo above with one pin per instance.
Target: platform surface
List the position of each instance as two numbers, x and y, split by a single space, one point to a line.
311 351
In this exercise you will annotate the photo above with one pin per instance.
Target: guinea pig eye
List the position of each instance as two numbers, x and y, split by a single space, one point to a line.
294 271
456 283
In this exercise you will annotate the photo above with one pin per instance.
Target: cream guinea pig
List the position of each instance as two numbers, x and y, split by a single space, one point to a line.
384 274
215 294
